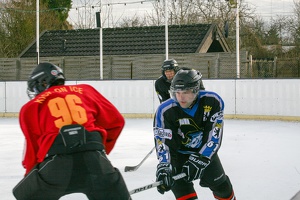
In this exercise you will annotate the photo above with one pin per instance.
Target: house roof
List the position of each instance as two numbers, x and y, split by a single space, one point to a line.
196 38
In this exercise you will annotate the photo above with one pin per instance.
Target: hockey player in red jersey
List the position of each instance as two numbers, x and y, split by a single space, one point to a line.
68 131
188 130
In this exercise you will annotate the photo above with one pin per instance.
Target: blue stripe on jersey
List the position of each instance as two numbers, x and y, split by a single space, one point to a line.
212 94
159 118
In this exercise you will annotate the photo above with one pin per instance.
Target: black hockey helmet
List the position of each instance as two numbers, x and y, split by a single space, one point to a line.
186 79
168 65
42 77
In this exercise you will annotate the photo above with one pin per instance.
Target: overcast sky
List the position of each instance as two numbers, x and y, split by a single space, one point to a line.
267 9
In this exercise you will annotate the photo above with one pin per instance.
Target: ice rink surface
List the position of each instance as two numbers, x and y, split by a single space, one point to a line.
262 159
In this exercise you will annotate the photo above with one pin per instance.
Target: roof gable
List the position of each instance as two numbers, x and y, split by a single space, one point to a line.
127 41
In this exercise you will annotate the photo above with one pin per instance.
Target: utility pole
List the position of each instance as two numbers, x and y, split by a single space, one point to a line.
99 24
236 4
38 31
166 29
237 40
101 47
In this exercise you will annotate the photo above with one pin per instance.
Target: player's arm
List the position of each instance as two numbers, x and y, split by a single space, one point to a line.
158 91
213 129
164 135
29 127
164 141
165 96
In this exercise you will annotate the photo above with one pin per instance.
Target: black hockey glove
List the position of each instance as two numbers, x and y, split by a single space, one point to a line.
164 174
193 168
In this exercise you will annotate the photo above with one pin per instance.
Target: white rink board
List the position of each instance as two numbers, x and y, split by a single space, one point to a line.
16 95
268 97
135 96
226 89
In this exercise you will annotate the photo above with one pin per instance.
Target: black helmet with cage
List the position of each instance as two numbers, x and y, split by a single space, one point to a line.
169 64
186 79
42 77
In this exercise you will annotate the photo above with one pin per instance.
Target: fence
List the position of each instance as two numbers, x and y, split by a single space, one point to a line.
276 68
147 67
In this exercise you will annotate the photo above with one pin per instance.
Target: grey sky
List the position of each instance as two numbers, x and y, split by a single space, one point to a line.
267 9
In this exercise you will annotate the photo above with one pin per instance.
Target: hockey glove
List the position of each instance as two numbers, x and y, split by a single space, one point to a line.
164 174
194 166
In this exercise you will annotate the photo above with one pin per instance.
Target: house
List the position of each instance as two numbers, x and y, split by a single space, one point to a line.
129 53
193 38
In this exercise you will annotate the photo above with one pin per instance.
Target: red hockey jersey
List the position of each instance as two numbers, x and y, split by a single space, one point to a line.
42 117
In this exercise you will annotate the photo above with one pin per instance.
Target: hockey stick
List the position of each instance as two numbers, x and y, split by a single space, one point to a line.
155 184
134 168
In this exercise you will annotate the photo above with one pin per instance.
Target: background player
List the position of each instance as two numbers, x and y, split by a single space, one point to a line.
163 83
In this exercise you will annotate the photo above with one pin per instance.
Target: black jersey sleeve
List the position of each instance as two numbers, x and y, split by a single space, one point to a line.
162 88
164 130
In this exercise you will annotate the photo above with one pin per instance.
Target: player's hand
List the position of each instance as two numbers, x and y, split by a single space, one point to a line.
164 174
194 166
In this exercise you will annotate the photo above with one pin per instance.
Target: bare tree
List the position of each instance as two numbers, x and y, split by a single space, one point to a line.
294 26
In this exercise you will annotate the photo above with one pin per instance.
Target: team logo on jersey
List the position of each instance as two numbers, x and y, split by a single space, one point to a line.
161 147
206 113
216 116
190 132
162 151
217 131
163 133
194 140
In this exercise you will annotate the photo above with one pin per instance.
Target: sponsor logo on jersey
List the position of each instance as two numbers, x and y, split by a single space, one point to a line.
163 133
216 116
197 160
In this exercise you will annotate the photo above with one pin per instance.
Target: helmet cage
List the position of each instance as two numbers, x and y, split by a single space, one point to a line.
195 89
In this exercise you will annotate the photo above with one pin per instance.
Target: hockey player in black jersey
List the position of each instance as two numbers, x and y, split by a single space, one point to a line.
163 83
188 132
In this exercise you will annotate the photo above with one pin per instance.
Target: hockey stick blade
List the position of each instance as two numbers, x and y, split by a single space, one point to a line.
155 184
134 168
